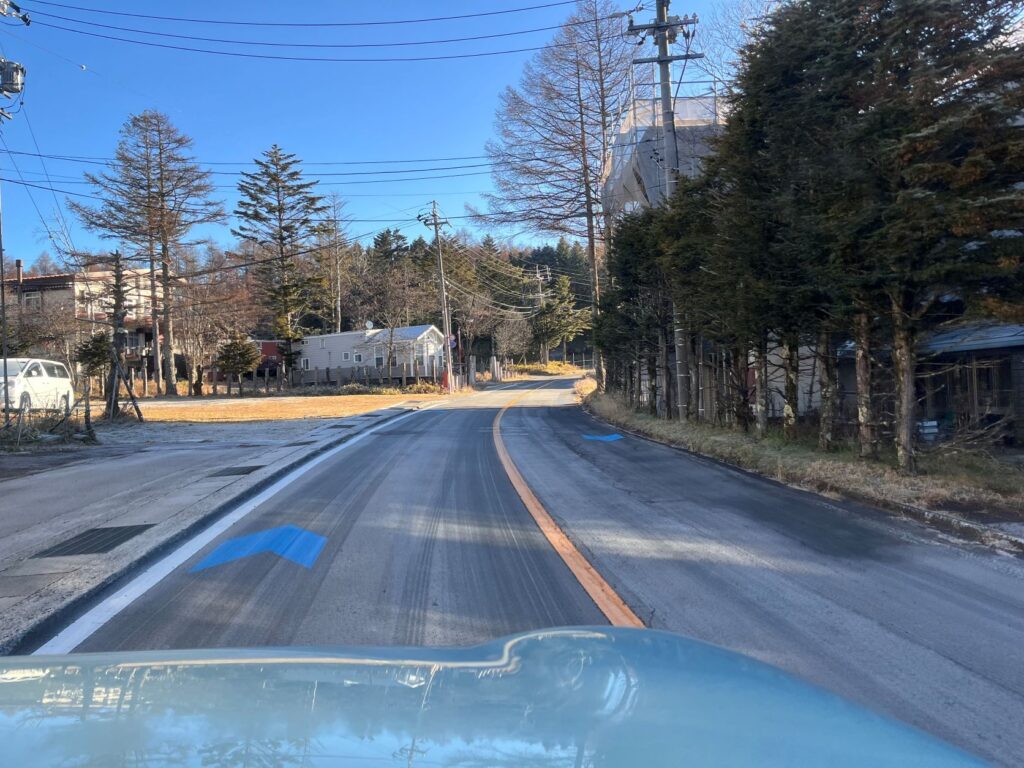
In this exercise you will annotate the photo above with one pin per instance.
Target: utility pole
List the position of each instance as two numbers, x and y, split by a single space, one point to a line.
433 220
12 81
664 29
544 354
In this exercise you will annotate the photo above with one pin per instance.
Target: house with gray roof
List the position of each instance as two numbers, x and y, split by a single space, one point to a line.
419 348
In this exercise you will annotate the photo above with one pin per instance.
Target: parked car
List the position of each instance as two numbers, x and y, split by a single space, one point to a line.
37 384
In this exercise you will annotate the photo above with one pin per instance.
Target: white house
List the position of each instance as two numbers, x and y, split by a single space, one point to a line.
419 347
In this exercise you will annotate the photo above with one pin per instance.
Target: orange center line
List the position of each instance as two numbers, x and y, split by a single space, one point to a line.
608 601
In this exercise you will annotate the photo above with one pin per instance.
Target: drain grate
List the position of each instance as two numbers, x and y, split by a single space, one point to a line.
94 541
233 471
341 426
297 443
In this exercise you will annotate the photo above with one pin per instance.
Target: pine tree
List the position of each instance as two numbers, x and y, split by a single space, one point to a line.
238 357
279 214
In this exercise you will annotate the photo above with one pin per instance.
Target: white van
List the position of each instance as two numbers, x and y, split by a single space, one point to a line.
35 384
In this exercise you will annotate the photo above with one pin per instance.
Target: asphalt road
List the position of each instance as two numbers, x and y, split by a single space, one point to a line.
426 542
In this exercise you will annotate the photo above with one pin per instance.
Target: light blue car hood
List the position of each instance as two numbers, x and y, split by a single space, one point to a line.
567 697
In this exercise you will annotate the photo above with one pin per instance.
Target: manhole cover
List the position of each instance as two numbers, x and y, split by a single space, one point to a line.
232 471
94 541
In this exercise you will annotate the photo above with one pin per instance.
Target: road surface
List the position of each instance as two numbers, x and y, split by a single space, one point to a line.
425 541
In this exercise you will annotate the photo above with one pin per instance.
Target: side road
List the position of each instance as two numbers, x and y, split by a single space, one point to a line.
68 532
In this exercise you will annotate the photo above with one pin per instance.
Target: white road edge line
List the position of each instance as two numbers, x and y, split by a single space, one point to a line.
82 628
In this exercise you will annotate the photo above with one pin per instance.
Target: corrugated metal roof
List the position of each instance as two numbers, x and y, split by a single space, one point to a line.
976 336
406 333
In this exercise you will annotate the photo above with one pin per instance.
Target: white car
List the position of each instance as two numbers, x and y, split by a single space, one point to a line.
36 384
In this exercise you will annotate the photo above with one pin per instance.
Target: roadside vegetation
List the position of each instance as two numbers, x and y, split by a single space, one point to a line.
553 368
969 483
852 204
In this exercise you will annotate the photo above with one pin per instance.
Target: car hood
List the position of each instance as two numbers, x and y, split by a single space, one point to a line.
599 697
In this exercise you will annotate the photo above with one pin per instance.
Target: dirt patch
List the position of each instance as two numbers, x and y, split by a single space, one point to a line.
272 408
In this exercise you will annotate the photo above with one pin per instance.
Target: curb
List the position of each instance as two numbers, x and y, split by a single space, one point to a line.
943 521
25 640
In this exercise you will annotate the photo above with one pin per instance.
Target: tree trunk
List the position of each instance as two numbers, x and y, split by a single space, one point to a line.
761 388
155 319
741 372
652 385
663 405
904 363
827 390
170 375
89 431
865 409
588 194
791 407
682 345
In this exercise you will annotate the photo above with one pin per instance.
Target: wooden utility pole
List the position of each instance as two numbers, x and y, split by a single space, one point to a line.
433 220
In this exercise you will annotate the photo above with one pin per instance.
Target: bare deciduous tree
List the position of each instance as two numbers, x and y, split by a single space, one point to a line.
152 194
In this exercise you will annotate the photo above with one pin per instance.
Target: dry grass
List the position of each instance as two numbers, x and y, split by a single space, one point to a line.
551 369
976 484
219 409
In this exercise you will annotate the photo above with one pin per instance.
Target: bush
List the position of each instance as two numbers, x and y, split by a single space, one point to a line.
424 388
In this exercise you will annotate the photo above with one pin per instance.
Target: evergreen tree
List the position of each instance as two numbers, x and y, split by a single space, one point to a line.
238 357
558 320
280 215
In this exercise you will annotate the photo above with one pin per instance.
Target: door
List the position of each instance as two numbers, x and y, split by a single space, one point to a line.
35 385
60 384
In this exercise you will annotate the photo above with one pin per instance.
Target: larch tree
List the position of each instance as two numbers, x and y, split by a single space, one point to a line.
555 132
152 194
280 215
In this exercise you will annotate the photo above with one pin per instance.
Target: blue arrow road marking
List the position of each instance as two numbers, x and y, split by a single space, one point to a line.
603 438
287 541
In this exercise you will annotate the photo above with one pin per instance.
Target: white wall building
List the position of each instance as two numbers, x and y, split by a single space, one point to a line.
420 347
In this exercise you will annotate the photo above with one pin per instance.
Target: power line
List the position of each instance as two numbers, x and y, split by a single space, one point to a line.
276 44
99 160
232 22
278 57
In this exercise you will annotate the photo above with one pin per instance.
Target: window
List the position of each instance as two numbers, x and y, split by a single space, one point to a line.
345 356
51 370
34 370
32 300
323 343
359 357
378 361
305 363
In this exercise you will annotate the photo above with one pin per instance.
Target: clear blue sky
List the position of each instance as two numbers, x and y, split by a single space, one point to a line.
80 89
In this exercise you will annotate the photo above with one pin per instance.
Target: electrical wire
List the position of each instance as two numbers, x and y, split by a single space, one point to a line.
65 227
274 44
278 57
306 24
31 197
